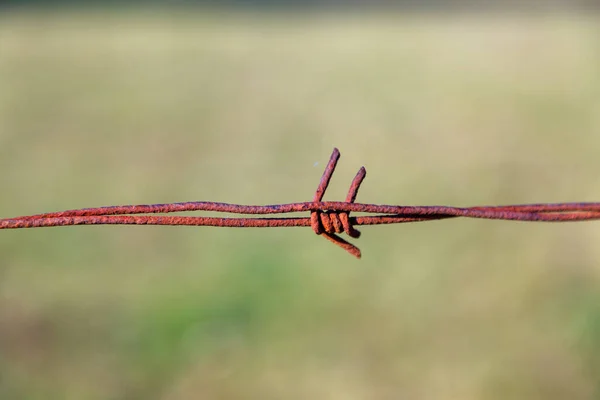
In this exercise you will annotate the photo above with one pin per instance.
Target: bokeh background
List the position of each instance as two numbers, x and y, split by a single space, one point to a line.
244 103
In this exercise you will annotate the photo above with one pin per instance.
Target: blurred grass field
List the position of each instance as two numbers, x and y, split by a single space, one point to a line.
100 108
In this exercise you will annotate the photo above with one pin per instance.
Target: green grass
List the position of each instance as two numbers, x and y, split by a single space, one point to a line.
125 108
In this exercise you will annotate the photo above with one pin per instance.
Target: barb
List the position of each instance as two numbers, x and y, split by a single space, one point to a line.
327 218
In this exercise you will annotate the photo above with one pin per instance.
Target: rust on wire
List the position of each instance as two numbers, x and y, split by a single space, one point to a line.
327 218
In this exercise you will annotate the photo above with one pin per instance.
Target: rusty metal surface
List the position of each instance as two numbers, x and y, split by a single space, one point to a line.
326 218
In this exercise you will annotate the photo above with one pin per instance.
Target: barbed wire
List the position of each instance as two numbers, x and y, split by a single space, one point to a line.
327 218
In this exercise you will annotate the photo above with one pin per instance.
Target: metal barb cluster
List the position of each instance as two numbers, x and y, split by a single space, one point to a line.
329 223
326 218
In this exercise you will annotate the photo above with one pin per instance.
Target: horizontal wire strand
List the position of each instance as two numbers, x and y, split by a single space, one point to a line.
17 223
529 212
326 217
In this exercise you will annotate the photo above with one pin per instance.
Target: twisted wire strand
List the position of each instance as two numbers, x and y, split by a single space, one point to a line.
524 212
327 218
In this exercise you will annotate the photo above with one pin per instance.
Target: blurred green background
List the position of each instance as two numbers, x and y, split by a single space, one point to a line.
129 106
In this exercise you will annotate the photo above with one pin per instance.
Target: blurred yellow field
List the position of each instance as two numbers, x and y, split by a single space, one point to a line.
100 108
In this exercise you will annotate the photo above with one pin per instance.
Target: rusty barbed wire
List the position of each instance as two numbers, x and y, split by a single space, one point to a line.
327 218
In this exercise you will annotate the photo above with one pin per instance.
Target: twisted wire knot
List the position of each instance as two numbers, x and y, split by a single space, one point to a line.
332 222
